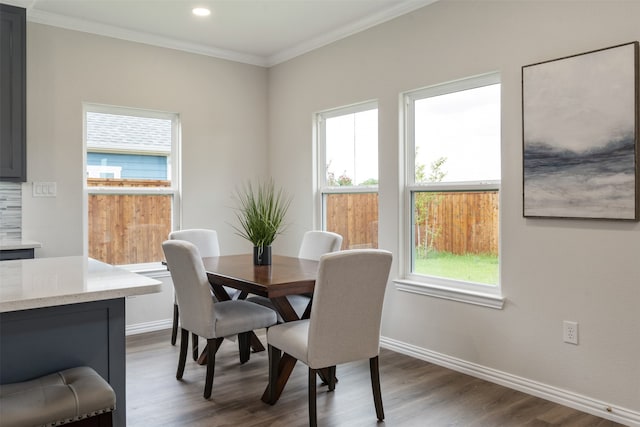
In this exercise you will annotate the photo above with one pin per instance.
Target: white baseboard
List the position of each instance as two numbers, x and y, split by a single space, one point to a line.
141 328
544 391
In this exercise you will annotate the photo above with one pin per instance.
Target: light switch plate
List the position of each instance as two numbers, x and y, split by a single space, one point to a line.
44 189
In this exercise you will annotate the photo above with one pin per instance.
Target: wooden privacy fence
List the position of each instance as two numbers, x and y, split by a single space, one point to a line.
128 228
455 222
355 217
458 222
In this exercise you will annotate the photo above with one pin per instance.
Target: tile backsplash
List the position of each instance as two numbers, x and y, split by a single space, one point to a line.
10 210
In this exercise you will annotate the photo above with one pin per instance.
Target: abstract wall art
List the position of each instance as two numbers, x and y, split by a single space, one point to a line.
580 130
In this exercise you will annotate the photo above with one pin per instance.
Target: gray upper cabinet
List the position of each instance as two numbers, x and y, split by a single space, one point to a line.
13 150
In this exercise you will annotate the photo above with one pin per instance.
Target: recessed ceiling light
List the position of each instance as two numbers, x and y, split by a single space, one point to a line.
201 11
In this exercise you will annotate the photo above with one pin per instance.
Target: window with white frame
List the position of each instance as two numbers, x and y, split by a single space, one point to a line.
348 173
452 190
131 164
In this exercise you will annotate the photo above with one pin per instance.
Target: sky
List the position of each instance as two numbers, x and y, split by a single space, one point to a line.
462 126
352 145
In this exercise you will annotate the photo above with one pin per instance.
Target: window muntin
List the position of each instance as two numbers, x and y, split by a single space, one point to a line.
132 186
348 173
453 172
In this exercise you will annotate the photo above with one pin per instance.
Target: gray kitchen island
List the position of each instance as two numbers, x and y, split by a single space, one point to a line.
57 313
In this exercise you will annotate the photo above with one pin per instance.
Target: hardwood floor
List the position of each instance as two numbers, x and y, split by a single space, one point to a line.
414 393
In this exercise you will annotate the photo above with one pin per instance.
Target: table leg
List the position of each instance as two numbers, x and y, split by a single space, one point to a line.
220 293
289 314
287 362
307 311
283 306
284 371
202 360
254 342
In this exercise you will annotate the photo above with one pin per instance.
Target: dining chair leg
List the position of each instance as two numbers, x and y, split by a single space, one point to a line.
184 346
332 377
244 347
313 421
174 328
324 375
375 384
212 348
274 366
194 346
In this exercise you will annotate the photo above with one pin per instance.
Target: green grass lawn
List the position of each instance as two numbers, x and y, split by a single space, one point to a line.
482 268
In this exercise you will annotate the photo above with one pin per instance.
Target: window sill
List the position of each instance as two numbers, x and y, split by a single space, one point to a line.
444 292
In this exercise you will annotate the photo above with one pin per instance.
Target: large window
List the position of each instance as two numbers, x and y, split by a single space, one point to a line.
348 173
131 181
452 190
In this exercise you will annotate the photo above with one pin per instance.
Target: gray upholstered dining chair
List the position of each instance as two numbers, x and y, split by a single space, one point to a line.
202 316
314 244
207 243
344 325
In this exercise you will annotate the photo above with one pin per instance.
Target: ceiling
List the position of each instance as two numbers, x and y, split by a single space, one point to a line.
259 32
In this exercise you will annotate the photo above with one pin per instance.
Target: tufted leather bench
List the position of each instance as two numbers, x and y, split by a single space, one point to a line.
76 396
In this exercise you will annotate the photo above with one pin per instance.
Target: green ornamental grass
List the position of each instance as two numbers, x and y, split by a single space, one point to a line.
261 212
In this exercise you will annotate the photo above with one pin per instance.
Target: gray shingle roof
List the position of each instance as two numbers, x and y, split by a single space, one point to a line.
127 133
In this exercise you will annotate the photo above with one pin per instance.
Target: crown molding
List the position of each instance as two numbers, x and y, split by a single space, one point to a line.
92 27
355 27
46 18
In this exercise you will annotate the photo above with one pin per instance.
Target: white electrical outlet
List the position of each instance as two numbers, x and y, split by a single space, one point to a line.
570 332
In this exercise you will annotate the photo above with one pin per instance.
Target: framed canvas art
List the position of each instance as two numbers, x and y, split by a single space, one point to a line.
580 126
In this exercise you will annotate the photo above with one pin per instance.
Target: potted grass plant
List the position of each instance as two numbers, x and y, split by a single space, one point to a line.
261 213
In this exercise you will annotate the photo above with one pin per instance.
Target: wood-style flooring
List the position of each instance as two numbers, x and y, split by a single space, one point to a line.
414 393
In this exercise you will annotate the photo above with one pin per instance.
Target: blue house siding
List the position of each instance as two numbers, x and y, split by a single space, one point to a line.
134 166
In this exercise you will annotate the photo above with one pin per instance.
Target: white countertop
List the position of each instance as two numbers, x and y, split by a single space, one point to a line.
12 244
46 282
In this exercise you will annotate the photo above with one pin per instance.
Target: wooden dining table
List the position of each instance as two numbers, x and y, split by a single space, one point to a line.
285 276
